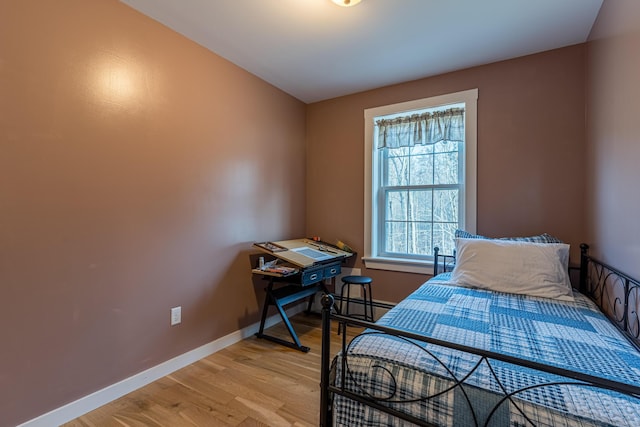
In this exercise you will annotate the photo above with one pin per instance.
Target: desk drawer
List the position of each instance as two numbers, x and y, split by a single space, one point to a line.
332 271
312 276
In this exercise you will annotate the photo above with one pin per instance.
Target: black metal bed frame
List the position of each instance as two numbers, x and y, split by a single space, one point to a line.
617 295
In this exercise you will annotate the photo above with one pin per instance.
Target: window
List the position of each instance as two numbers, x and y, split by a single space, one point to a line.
420 173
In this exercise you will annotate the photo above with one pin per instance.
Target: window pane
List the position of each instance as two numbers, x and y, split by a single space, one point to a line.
398 152
421 170
419 235
421 149
397 206
395 237
397 169
443 235
445 206
445 146
446 168
420 205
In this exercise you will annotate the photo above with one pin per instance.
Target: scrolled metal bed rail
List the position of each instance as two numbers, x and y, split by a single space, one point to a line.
616 293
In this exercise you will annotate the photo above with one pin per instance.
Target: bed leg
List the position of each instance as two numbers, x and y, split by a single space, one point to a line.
325 365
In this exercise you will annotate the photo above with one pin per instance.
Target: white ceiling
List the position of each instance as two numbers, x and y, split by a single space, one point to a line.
315 50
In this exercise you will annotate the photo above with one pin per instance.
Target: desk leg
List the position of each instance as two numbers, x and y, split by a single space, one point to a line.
269 300
310 304
296 342
265 308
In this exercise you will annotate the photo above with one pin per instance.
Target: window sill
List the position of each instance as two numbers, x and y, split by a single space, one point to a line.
399 264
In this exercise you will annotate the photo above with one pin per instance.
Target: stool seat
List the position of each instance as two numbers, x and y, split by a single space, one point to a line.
357 280
367 301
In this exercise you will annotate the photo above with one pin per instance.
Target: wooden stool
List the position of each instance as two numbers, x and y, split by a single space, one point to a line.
365 284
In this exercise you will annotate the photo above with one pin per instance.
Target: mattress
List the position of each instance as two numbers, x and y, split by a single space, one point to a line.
424 380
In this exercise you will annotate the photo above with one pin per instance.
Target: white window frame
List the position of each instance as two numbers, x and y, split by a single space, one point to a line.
372 178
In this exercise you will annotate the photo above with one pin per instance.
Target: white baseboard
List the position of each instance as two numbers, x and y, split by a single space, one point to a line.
110 393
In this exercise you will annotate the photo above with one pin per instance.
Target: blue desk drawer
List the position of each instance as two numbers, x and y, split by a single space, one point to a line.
332 271
312 276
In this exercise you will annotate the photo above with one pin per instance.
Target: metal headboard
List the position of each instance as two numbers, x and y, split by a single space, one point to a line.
448 261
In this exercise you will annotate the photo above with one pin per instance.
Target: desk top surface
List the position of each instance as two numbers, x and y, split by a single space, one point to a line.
303 252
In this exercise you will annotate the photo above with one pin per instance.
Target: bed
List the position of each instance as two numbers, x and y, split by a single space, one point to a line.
461 354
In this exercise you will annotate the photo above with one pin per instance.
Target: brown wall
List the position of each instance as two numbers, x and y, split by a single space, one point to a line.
531 139
136 168
614 135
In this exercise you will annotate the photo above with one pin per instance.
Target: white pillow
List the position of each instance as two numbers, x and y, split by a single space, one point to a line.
537 269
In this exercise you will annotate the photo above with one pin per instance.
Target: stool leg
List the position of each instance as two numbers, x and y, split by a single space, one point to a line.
348 299
366 301
371 302
363 291
342 311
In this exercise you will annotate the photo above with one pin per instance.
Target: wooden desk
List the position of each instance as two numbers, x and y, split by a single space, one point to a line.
309 278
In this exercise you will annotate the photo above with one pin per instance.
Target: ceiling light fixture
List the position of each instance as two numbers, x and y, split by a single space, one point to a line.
346 3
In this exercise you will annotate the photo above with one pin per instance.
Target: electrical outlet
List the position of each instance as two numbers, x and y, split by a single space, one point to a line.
176 315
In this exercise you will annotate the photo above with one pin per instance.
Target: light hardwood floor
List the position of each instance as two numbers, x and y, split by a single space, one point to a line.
252 383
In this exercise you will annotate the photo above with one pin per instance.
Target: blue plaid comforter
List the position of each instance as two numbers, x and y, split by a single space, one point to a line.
573 335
